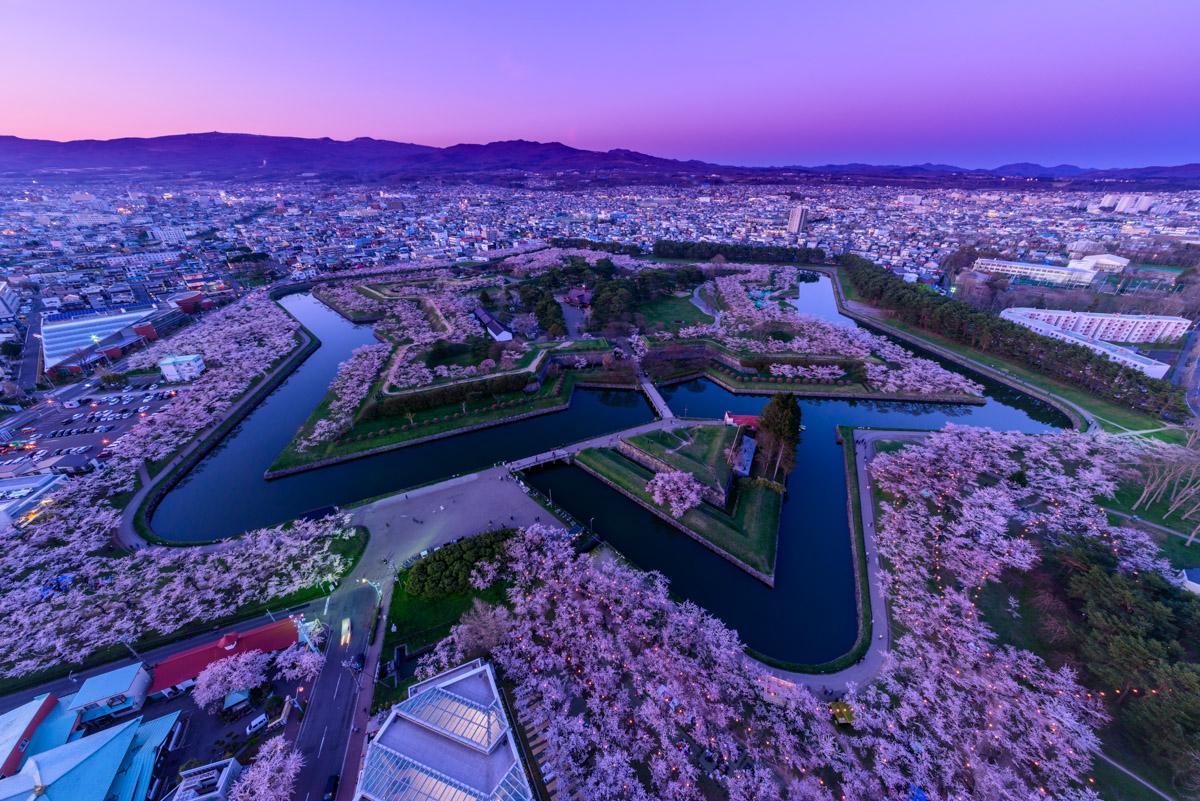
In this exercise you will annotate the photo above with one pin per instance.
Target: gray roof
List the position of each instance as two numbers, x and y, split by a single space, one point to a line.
449 741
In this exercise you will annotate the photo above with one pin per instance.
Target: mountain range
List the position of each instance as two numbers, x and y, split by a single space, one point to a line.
224 154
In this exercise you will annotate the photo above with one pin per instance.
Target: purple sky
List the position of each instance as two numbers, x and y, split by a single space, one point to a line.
1092 82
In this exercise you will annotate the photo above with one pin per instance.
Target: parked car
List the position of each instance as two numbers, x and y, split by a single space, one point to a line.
331 787
358 662
256 725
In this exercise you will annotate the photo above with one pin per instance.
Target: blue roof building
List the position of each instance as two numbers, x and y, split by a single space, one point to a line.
115 693
116 764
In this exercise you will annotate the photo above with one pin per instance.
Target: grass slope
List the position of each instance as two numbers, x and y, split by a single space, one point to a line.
749 533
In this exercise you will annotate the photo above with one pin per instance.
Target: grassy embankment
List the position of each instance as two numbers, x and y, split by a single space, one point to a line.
748 534
391 431
699 451
1113 417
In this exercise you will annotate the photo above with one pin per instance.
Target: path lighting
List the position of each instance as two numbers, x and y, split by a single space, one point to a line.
375 585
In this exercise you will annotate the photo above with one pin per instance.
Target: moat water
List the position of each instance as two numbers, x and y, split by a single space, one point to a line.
809 617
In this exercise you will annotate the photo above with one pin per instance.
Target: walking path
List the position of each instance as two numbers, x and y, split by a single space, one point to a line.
699 302
863 671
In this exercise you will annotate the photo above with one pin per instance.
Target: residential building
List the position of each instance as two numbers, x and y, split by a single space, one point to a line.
117 693
797 220
450 739
496 329
1046 273
209 782
1124 356
181 368
1109 327
116 763
10 302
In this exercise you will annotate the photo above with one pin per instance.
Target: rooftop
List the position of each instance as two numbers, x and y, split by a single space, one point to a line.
449 741
104 686
188 664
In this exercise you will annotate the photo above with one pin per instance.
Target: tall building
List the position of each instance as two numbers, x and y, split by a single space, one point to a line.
1109 327
797 220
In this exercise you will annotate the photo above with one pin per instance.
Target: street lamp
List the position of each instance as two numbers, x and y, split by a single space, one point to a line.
375 585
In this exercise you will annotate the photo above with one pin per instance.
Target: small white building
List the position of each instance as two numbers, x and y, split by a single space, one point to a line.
181 368
209 782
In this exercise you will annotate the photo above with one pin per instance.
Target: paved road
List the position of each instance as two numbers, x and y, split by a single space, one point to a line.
332 735
31 355
1187 372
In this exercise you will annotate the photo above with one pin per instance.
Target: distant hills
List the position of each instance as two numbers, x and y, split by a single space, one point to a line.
246 155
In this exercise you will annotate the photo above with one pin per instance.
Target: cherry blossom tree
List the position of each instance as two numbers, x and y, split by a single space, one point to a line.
243 671
273 775
349 388
676 490
889 367
639 692
299 662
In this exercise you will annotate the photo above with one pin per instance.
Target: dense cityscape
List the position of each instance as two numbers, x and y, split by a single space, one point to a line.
599 405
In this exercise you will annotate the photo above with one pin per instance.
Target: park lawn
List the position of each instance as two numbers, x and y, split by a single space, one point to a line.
699 451
1114 418
585 345
1174 549
672 313
1113 785
424 621
749 534
1127 494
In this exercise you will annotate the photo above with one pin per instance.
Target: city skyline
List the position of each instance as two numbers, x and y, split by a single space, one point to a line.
767 85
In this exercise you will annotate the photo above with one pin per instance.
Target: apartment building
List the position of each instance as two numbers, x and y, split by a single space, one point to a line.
1047 273
1109 327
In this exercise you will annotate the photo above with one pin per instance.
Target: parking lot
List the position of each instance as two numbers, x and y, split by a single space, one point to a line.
71 434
